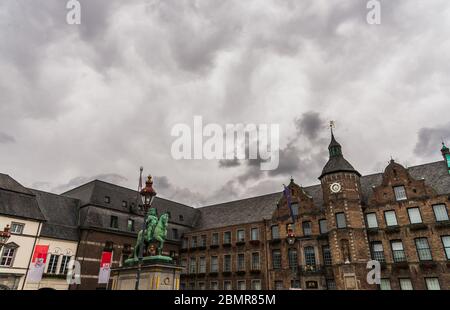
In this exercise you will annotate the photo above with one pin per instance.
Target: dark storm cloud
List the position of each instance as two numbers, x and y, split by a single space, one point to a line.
75 182
166 189
429 140
310 125
5 138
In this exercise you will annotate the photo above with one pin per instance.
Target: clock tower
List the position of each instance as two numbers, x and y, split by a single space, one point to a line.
347 237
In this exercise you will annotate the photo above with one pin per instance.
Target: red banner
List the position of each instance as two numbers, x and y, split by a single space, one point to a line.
38 264
106 259
105 268
40 252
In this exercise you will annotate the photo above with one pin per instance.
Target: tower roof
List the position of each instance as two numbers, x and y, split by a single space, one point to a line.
337 162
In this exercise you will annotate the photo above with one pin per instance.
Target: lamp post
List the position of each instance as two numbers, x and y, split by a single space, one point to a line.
147 196
4 236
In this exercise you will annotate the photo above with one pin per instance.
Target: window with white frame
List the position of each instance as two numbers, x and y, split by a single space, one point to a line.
397 251
423 249
202 265
414 216
433 284
276 259
256 265
8 255
192 265
214 264
446 244
17 228
385 284
391 218
293 259
371 219
215 239
406 284
227 263
255 233
400 193
310 257
307 228
340 220
241 262
256 285
227 237
294 207
193 242
227 285
440 212
377 251
327 260
331 284
240 235
323 226
275 232
203 240
52 263
214 285
64 264
241 285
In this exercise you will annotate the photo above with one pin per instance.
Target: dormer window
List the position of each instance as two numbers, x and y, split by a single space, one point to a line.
107 199
400 193
181 218
124 204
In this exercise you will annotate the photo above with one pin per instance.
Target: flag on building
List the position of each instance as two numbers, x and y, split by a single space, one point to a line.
287 194
37 264
105 268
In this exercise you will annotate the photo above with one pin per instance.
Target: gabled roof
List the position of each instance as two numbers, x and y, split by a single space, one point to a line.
17 201
61 214
94 193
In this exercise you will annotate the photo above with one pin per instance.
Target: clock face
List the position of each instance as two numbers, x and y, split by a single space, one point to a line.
335 187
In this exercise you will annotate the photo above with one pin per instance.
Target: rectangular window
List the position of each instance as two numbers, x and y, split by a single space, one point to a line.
124 204
446 244
202 265
385 284
293 259
255 233
327 261
340 220
215 239
377 251
397 251
275 230
391 218
371 219
310 257
414 216
193 242
7 257
295 284
241 285
64 264
184 243
203 240
174 233
214 285
52 263
279 285
114 223
201 286
323 225
406 285
440 212
16 228
276 259
331 284
214 264
192 265
240 235
227 285
227 237
255 261
107 199
432 284
294 207
227 263
130 225
423 249
307 228
256 285
241 262
400 193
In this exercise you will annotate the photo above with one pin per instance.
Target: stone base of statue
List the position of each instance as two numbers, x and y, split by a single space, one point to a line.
157 273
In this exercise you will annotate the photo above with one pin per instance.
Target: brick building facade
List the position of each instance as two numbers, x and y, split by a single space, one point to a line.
332 230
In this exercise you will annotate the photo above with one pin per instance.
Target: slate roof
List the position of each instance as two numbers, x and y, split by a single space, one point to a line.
94 192
17 201
61 214
259 208
337 164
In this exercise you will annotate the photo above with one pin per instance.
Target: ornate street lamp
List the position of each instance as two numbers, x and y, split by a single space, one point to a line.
147 196
4 236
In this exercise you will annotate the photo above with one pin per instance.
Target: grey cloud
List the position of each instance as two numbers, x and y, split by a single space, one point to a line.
107 177
309 125
5 138
167 190
229 163
429 139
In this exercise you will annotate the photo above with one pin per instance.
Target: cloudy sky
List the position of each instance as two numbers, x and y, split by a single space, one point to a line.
98 100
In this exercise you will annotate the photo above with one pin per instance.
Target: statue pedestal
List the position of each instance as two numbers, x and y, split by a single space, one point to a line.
155 275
